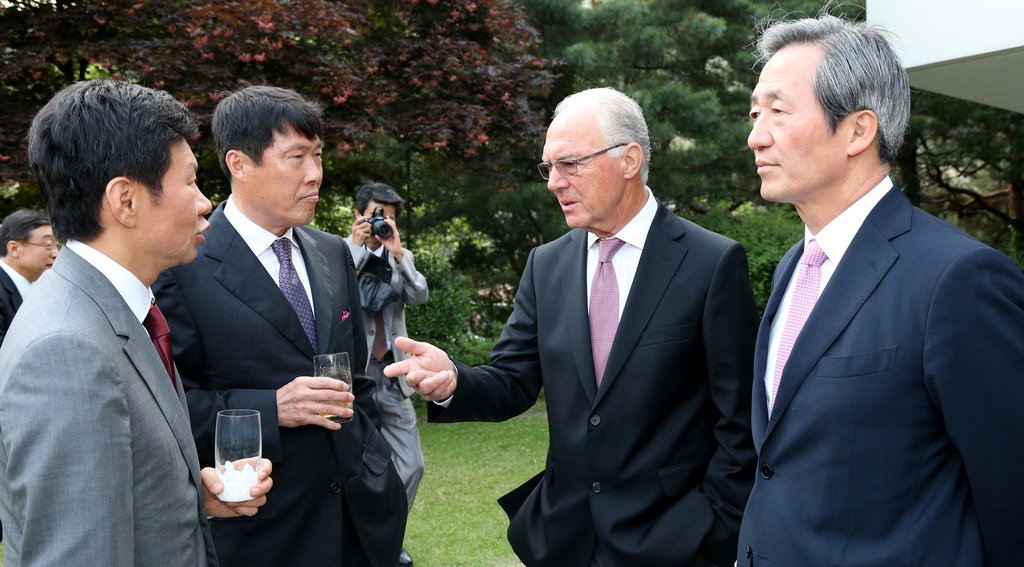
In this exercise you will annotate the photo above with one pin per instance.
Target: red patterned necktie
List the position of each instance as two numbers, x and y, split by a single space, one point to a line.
604 305
160 333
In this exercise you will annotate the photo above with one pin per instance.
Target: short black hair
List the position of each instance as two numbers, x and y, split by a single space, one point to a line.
246 121
19 225
94 131
380 192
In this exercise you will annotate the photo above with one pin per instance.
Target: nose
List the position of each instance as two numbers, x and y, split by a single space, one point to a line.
556 180
315 172
204 205
759 136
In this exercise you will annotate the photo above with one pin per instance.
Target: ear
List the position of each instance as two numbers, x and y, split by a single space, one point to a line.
121 199
13 248
863 134
357 212
631 160
238 164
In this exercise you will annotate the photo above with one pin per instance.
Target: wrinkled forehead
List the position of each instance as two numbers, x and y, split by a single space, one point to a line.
571 134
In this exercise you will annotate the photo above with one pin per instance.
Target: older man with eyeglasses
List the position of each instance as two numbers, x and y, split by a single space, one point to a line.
639 327
27 249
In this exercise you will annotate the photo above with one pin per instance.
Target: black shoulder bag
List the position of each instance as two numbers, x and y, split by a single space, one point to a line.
375 291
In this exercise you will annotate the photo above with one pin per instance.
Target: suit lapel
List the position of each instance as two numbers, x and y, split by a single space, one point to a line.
572 263
12 290
783 272
662 255
242 274
867 260
139 349
320 284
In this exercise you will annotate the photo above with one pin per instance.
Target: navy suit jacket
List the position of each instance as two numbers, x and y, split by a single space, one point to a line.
10 301
894 439
337 498
656 464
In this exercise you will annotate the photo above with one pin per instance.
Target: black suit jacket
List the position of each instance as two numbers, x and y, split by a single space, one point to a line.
656 465
10 301
336 498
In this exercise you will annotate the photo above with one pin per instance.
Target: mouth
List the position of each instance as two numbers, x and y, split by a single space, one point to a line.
764 166
313 198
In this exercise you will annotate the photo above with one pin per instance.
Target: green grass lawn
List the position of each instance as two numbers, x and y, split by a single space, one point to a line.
456 521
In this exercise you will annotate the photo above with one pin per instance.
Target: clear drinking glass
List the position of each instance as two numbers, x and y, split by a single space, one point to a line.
335 365
238 449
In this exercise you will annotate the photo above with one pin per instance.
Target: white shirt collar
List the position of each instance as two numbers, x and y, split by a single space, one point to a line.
635 231
135 293
255 236
20 281
837 235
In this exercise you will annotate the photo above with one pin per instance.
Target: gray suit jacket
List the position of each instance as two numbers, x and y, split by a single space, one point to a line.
97 462
407 281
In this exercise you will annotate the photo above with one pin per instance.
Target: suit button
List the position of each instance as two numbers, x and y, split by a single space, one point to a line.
767 471
595 420
596 487
335 488
748 552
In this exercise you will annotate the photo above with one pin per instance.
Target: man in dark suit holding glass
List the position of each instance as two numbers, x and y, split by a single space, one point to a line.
265 294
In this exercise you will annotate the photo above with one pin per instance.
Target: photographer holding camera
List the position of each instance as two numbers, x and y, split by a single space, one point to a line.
388 281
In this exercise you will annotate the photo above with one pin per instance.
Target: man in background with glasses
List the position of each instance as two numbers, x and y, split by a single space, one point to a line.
28 250
639 327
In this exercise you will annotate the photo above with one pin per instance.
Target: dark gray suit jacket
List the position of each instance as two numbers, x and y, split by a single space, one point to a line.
336 497
655 465
894 437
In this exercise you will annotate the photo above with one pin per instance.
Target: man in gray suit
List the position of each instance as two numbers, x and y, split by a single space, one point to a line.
97 462
375 238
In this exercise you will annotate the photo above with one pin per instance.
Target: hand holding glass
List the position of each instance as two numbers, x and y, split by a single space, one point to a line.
335 366
238 448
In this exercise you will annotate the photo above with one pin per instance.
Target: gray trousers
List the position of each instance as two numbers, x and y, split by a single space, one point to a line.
398 425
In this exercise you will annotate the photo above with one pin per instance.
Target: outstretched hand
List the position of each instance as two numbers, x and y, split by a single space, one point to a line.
429 371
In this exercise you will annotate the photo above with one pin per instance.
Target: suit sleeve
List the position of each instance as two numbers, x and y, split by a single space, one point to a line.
974 351
414 285
511 382
729 329
69 443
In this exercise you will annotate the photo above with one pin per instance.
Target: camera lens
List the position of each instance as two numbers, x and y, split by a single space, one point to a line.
381 227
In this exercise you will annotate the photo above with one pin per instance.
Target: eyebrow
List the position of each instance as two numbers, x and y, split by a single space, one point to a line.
773 94
304 146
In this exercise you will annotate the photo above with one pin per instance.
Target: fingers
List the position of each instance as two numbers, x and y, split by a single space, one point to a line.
307 399
433 386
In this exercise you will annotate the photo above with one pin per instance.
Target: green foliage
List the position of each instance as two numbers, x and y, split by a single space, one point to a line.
765 231
456 521
445 320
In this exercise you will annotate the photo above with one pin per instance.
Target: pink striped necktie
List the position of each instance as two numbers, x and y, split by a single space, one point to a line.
805 295
604 305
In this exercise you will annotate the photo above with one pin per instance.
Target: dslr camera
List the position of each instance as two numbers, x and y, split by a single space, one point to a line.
379 225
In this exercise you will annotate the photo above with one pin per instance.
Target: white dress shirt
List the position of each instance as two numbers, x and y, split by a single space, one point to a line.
20 281
627 259
259 241
834 239
135 293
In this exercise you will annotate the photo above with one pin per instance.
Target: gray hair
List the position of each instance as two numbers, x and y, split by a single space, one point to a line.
860 71
620 118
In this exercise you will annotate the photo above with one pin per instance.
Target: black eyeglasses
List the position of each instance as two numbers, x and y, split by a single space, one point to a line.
571 166
51 247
